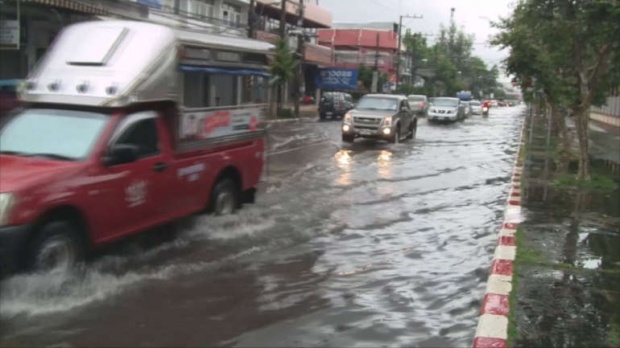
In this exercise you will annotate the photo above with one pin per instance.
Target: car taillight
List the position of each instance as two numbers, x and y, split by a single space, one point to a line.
421 104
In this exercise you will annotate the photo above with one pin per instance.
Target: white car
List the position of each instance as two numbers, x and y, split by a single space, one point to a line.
476 107
445 109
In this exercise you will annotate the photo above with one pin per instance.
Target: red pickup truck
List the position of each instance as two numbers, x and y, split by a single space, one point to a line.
90 160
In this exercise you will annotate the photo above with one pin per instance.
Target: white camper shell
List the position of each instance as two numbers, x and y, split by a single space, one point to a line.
117 63
219 83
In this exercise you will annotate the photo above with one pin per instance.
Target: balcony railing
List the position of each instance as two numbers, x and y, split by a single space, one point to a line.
219 22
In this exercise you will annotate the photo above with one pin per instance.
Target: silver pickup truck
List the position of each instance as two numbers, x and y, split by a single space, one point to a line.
380 116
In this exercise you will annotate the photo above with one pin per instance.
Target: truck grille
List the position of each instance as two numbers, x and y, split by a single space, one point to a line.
367 122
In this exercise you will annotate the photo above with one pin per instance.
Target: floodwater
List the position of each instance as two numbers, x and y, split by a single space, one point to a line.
359 245
568 294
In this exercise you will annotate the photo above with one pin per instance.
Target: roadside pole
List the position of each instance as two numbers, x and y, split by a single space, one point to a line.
400 40
299 77
375 72
251 19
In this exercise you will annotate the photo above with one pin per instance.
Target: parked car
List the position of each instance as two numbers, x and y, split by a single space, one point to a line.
419 104
335 105
446 109
380 116
476 107
8 96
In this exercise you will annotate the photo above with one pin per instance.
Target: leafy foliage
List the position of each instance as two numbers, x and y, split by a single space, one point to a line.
453 64
569 52
283 65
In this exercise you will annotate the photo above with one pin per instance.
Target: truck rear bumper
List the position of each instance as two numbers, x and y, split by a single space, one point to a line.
13 241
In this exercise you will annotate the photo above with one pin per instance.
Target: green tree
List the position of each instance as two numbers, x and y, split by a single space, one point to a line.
452 62
567 47
282 70
364 75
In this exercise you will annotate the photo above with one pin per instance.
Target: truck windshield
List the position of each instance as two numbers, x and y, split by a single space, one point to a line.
56 134
374 103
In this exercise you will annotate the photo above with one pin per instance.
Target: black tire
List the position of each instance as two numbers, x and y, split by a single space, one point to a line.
347 138
55 246
224 198
395 139
322 117
413 129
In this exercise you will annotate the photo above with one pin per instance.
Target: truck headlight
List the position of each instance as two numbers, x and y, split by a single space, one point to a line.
348 118
387 121
6 203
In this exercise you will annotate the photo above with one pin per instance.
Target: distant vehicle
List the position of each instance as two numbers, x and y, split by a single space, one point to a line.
335 105
446 109
380 116
307 99
476 107
466 108
494 103
464 95
8 96
419 104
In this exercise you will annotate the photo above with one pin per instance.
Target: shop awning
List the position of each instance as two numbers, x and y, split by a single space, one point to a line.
225 71
79 6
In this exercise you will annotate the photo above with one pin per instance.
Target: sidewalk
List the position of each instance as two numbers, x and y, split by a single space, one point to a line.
605 141
567 268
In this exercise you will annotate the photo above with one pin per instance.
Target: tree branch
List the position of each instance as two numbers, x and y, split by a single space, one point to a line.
602 64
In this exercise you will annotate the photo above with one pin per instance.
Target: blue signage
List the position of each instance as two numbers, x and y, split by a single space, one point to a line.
151 3
337 79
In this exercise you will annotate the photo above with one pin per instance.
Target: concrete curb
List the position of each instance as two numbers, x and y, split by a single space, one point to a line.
492 330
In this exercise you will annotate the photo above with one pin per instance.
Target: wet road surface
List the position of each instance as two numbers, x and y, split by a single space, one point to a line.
358 245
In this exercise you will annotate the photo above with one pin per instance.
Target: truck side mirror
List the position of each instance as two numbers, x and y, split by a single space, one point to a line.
121 154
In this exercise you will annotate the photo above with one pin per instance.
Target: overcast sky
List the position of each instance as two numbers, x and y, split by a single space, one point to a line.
474 16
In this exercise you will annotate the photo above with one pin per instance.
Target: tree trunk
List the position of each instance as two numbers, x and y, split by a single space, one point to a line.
559 123
581 122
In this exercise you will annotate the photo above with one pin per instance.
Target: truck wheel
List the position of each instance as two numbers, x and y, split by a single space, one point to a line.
347 138
395 139
413 128
225 198
56 246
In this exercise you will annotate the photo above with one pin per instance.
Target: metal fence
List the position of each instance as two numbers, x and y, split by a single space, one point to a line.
611 108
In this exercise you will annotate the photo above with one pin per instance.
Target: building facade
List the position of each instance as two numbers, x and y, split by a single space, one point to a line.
367 44
28 27
268 14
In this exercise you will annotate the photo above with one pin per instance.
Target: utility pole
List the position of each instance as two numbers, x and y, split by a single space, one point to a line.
251 19
283 20
375 72
301 40
400 40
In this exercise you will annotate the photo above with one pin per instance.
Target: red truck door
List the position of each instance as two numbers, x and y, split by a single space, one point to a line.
136 195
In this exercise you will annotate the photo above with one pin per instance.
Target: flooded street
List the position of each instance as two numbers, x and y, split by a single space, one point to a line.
357 245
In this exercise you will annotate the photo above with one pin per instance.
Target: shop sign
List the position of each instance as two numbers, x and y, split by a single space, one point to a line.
9 34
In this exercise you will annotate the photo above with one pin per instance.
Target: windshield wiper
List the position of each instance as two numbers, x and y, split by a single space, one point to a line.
50 155
15 153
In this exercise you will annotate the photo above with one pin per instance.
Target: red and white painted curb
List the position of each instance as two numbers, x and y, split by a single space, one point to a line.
492 330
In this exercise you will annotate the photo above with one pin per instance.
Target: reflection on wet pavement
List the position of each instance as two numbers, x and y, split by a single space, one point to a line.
369 244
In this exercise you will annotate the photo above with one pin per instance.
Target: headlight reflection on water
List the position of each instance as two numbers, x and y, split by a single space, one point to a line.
384 164
343 157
